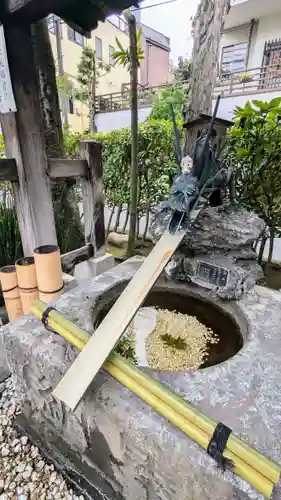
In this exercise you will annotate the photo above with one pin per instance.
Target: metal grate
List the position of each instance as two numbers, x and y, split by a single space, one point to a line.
271 64
272 52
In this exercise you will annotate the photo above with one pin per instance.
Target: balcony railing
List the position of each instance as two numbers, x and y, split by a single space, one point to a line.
251 81
121 100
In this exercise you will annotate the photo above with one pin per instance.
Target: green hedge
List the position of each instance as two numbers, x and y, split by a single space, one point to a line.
156 162
156 166
2 147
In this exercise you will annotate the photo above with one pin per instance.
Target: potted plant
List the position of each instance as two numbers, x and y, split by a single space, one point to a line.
246 77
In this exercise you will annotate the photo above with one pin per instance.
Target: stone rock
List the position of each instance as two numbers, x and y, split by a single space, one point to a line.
118 239
14 442
4 368
221 236
24 440
27 472
20 467
40 465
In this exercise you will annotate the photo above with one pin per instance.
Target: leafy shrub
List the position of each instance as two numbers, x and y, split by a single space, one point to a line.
10 247
155 160
175 95
254 149
68 228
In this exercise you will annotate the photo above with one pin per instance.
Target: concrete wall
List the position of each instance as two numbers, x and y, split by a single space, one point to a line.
116 120
111 82
269 28
228 104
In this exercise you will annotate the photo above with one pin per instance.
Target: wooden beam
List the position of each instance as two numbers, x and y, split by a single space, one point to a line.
93 196
23 208
70 259
59 168
8 170
78 378
34 206
33 10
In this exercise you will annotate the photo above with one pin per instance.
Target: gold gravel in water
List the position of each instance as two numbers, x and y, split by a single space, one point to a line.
178 342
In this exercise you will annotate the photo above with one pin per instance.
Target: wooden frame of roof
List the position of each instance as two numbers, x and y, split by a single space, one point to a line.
84 15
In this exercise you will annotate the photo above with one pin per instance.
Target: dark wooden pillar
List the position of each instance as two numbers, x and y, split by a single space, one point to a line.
24 140
93 196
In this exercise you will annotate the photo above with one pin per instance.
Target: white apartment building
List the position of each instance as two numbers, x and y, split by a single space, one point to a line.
250 59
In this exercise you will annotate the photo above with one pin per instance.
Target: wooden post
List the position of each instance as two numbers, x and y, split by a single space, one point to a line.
64 98
24 141
93 196
134 134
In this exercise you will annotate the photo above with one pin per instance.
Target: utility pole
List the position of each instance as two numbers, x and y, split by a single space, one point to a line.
134 131
92 112
63 97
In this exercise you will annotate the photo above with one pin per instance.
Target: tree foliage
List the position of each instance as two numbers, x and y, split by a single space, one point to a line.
254 149
122 56
89 70
161 105
64 84
183 70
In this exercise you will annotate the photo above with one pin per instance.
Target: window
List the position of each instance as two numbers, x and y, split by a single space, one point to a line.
234 58
271 65
71 106
51 23
75 36
272 52
119 22
111 52
98 46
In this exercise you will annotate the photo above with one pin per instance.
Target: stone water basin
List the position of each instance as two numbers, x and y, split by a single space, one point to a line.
116 447
226 321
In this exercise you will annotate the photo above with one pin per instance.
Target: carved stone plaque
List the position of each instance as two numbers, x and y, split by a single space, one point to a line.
215 275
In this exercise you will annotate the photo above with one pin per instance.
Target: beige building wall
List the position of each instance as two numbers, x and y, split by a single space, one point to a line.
109 83
112 81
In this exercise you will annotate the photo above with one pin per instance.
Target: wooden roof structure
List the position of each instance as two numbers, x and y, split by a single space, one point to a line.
83 15
203 118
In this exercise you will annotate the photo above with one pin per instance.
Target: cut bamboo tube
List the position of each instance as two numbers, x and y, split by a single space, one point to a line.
11 293
27 281
48 271
78 337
